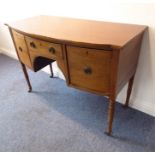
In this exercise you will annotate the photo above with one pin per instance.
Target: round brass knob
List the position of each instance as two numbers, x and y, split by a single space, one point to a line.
32 44
52 50
20 48
87 70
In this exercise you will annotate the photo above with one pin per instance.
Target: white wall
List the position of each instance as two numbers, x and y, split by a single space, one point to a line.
138 12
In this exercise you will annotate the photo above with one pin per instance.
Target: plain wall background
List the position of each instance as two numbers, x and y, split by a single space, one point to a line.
136 12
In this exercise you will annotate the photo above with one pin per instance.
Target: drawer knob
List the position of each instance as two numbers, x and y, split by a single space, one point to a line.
32 44
52 50
20 48
87 70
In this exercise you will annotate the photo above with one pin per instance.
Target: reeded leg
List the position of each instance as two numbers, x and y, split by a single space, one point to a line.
129 91
111 110
51 70
26 77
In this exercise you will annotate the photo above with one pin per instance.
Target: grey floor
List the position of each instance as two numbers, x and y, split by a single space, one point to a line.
55 117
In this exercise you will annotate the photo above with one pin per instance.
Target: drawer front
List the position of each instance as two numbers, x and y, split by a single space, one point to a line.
89 68
42 48
22 48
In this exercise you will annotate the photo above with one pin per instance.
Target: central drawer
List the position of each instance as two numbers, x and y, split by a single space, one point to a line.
89 68
43 48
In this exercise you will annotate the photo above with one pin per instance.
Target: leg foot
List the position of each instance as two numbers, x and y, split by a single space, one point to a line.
107 133
125 106
30 90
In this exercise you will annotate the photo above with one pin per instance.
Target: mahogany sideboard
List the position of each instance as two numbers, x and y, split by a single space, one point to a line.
94 56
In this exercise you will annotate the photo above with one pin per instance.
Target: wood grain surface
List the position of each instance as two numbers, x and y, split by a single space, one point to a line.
78 30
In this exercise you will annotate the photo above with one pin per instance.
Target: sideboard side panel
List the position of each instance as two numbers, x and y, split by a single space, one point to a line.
128 61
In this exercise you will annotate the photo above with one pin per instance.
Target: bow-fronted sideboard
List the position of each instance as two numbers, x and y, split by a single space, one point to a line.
95 56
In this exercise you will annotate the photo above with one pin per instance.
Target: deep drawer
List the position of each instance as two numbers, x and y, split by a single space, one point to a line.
22 48
89 68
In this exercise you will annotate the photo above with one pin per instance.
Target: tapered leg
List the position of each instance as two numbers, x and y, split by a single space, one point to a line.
129 91
26 77
51 70
111 110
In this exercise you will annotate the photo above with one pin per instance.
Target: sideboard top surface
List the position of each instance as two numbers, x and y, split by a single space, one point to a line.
79 30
